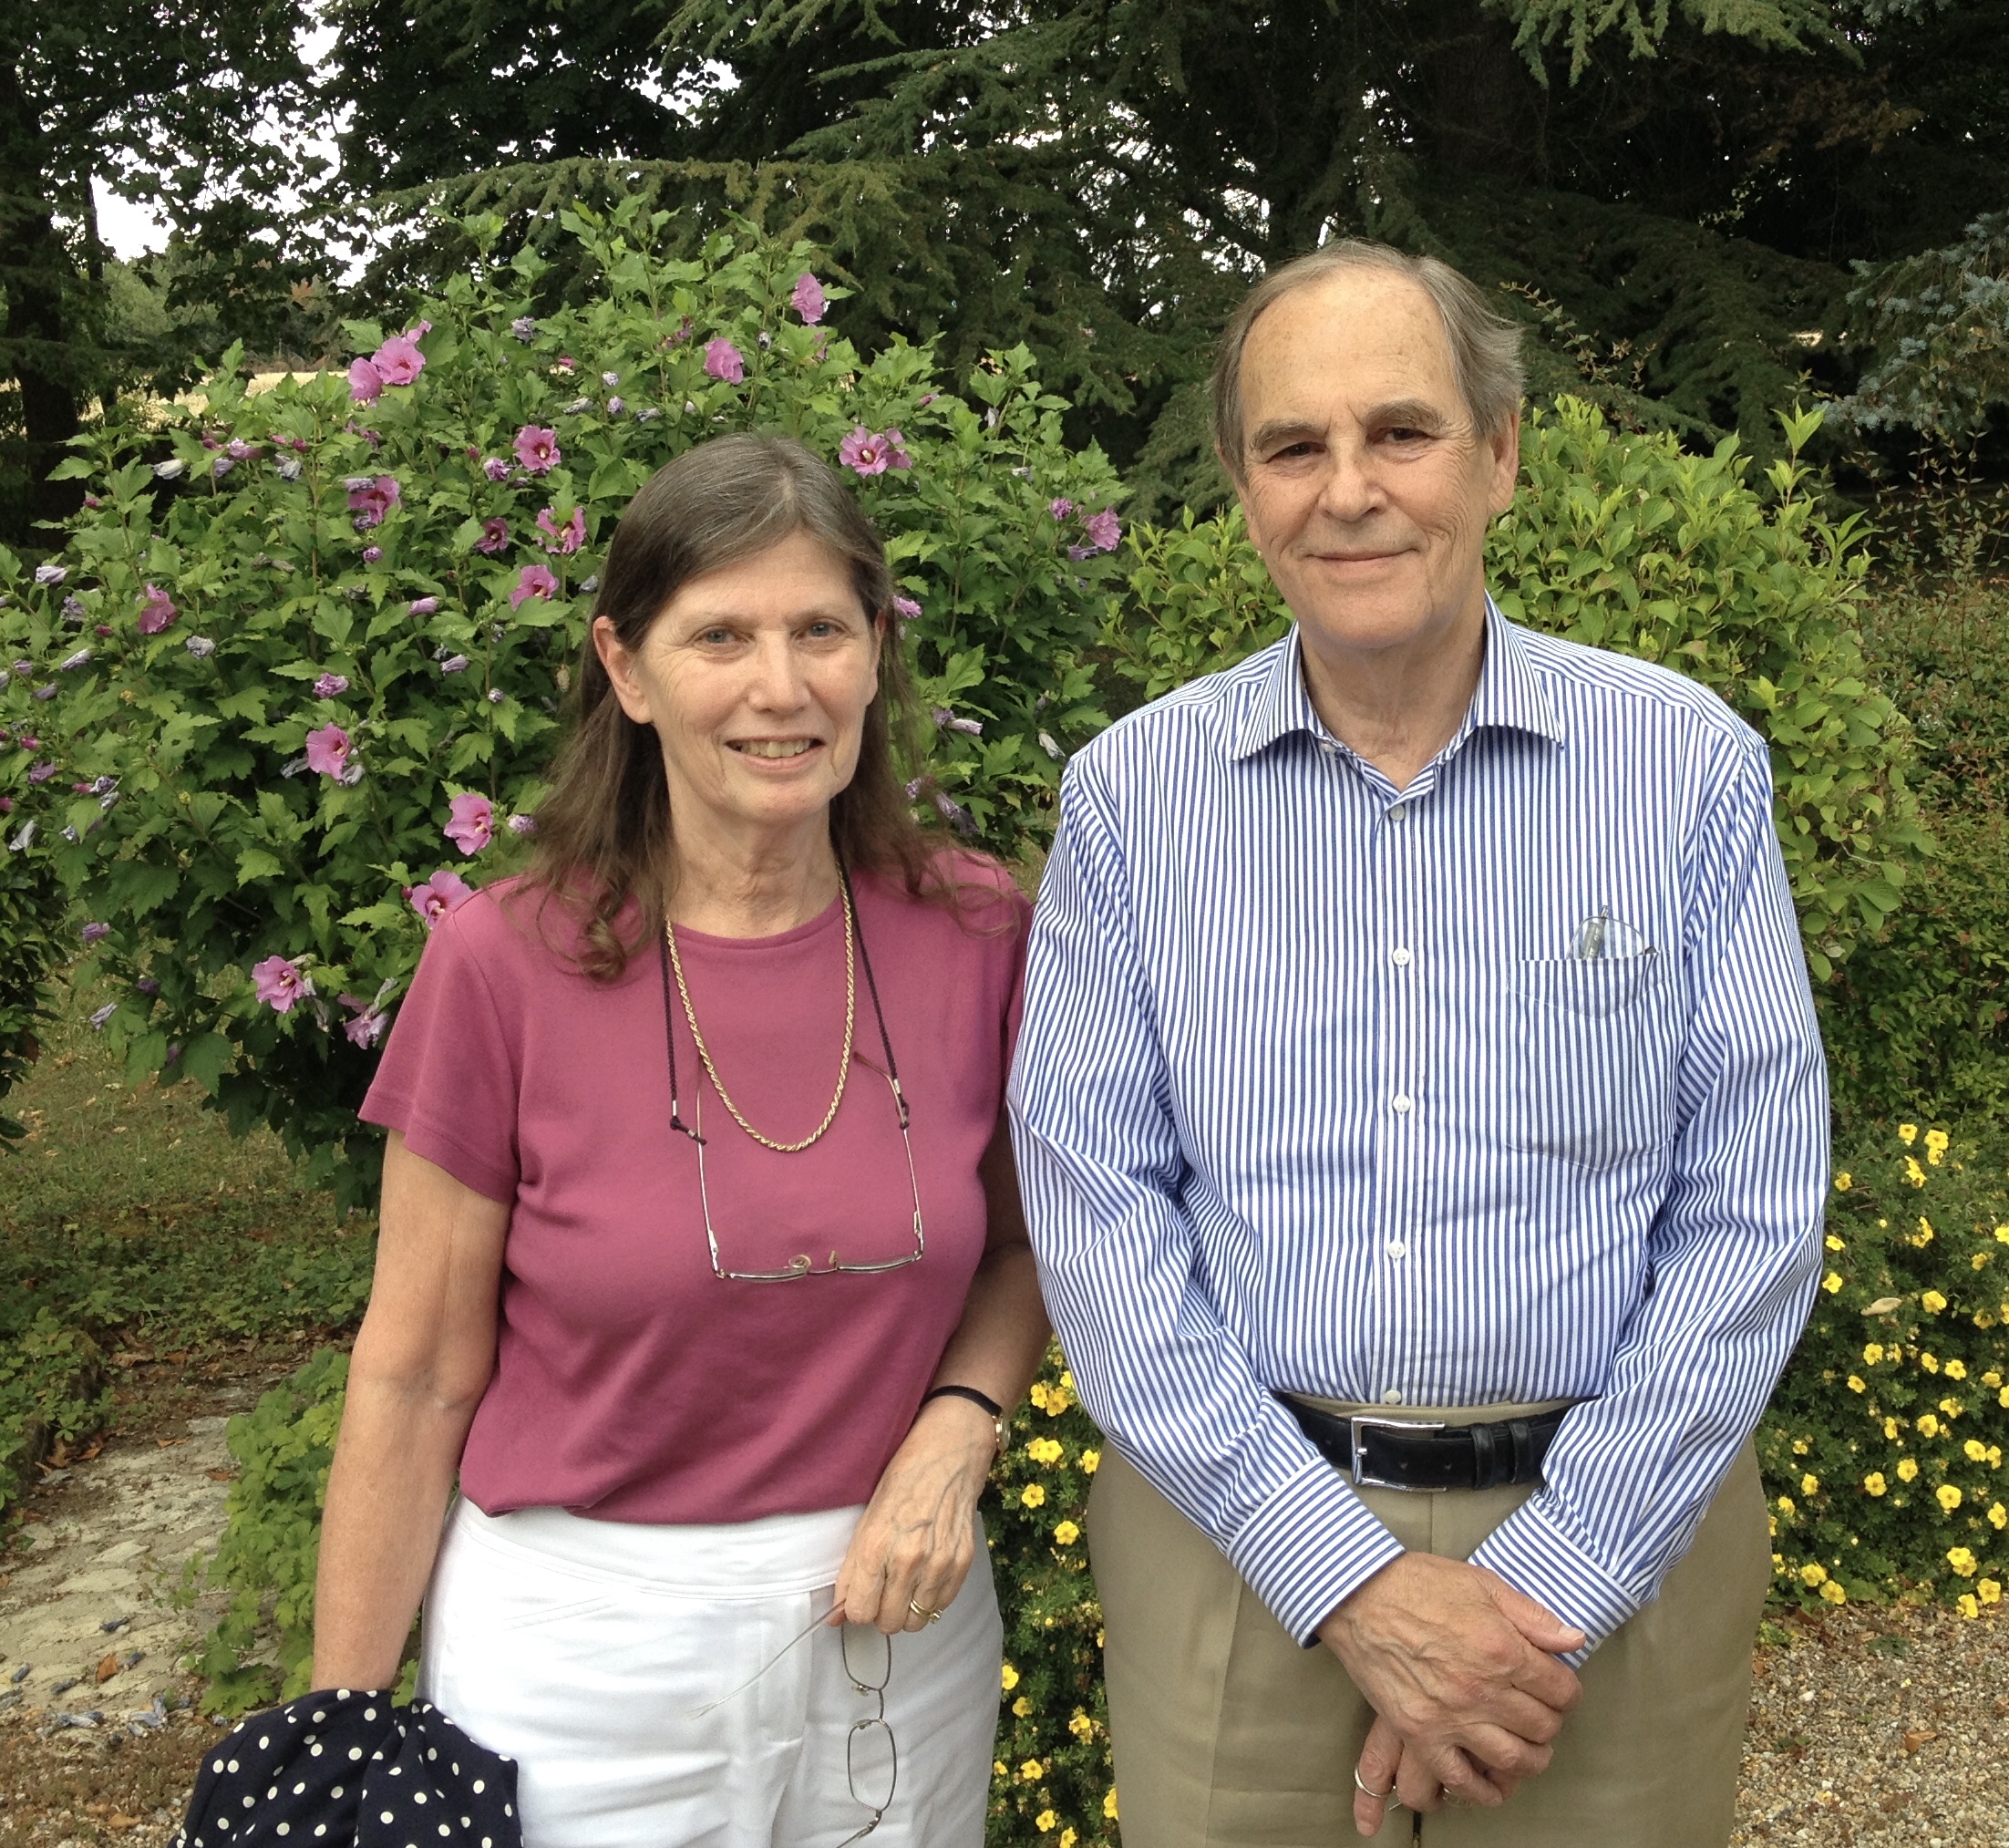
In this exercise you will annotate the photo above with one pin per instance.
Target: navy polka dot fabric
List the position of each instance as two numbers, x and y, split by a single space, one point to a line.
347 1769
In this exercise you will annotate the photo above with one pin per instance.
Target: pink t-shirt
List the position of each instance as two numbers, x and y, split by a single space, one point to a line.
631 1383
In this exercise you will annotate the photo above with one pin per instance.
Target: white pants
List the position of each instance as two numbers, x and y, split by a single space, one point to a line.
584 1649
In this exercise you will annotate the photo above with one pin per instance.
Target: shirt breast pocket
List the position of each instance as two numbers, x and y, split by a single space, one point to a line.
1594 1065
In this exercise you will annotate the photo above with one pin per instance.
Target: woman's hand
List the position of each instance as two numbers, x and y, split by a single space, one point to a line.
916 1539
1405 1780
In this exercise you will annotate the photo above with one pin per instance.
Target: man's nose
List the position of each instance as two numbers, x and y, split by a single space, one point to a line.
1351 488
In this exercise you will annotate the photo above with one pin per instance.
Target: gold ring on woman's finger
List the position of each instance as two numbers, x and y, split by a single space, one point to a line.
1360 1784
931 1617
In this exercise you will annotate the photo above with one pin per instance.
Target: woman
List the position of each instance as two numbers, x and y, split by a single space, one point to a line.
702 1260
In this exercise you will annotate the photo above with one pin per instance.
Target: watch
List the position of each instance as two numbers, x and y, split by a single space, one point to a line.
975 1398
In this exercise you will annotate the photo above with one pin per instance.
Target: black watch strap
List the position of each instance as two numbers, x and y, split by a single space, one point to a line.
975 1398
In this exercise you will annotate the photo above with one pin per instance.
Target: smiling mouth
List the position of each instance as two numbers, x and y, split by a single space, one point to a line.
772 747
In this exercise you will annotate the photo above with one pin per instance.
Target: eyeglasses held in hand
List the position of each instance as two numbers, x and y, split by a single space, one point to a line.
871 1759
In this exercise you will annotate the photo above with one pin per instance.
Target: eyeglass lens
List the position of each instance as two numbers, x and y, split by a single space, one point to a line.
871 1760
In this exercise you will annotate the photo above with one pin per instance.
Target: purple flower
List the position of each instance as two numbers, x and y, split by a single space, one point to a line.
328 751
722 360
202 647
906 609
98 1018
866 453
147 986
71 663
371 498
566 539
915 787
954 814
496 695
399 360
495 468
536 581
6 805
616 406
1061 509
524 327
537 448
279 984
221 466
23 666
239 450
50 576
471 824
93 932
329 684
807 298
438 895
155 610
896 450
366 383
371 553
73 609
495 536
101 629
48 691
288 469
522 824
610 379
168 470
423 607
368 1026
1105 531
28 743
455 664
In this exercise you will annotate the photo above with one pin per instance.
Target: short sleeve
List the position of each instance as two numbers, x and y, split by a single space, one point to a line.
452 1069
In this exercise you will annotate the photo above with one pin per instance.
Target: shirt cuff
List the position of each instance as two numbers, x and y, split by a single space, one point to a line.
1532 1554
1309 1548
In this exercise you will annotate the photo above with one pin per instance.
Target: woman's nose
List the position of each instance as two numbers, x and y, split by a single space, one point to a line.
778 680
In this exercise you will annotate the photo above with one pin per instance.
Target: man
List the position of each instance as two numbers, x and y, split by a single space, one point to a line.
1422 1122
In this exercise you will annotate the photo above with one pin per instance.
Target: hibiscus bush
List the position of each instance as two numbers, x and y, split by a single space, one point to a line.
299 669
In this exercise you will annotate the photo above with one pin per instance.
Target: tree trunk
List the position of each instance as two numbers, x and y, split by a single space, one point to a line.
1486 109
34 270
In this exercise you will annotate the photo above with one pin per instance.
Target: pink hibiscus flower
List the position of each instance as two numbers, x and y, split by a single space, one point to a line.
373 497
807 298
328 751
566 539
365 382
535 582
722 360
866 453
495 536
279 984
1105 531
470 825
438 895
537 448
399 360
157 610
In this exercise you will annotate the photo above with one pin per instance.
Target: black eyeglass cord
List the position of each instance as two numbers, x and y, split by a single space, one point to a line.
872 987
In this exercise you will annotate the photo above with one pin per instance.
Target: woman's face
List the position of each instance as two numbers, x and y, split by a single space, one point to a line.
755 677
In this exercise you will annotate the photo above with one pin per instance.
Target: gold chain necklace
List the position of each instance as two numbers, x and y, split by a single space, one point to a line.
850 1022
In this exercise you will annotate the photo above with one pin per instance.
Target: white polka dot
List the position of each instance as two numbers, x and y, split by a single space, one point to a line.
341 1693
251 1802
337 1791
386 1817
284 1828
355 1751
480 1784
314 1750
320 1828
320 1715
263 1743
369 1713
217 1766
299 1789
233 1764
418 1796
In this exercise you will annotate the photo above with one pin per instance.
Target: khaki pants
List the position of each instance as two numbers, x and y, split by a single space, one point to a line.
1230 1735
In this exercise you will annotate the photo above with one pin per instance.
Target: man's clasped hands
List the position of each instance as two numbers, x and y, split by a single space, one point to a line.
1461 1671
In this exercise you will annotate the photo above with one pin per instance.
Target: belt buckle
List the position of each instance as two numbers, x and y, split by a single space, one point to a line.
1359 1424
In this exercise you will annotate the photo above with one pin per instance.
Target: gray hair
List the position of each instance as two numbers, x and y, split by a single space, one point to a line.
1485 345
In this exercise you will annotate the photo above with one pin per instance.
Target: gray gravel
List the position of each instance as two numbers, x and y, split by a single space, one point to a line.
1880 1728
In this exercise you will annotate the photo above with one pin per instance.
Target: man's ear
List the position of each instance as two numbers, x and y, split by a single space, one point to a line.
620 664
1504 445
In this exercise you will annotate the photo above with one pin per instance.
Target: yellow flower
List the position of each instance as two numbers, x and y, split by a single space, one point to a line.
1962 1561
1929 1362
1873 1354
1067 1534
1834 1243
1800 1447
1771 1520
1956 1370
1979 1260
1966 1606
1844 1182
1855 1385
1043 1451
1011 1678
1951 1406
1032 1770
1091 1461
1813 1574
1998 1517
1928 1426
2001 1234
1058 1402
1081 1726
1785 1504
1936 1139
1108 1804
1908 1133
1977 1451
1032 1495
1874 1482
1907 1470
1890 1428
1045 1820
1916 1176
999 1768
1067 1378
1834 1593
1991 1378
1990 1591
1932 1302
1067 1838
1023 1707
2003 1399
1831 1282
1948 1497
1039 1394
1809 1485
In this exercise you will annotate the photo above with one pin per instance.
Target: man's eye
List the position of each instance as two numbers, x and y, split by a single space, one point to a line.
1408 433
1293 452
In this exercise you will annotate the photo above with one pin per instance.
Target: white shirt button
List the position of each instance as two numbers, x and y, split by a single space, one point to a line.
1398 813
1397 1248
1329 746
1399 1103
1392 1397
1400 958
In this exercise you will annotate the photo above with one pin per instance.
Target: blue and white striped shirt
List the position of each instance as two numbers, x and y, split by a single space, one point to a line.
1317 1090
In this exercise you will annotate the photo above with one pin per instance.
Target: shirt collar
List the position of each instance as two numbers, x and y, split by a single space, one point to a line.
1509 694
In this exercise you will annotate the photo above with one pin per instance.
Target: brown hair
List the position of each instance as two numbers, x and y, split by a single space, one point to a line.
1485 345
605 834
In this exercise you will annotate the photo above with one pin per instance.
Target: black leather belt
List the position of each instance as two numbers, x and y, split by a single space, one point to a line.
1399 1453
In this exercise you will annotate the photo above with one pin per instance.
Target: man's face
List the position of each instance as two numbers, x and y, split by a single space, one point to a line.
1366 488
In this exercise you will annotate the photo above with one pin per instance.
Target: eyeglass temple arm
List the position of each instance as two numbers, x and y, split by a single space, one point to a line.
871 984
669 1034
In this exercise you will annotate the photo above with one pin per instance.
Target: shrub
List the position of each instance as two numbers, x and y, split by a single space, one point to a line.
49 1389
1883 1446
1624 541
287 645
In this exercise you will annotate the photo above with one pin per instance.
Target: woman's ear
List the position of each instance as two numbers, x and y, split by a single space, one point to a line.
619 662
